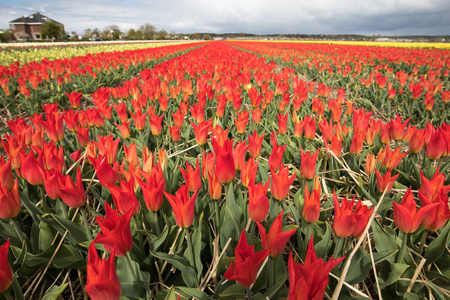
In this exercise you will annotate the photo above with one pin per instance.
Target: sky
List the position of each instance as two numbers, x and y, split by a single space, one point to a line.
367 17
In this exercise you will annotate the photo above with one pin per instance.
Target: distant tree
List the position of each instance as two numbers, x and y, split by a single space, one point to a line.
88 33
195 36
134 34
161 35
148 31
6 36
207 37
51 29
111 32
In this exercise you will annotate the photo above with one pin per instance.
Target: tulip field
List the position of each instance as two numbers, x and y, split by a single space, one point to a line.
225 170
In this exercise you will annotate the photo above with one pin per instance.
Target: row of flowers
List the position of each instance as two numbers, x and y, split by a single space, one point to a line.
305 149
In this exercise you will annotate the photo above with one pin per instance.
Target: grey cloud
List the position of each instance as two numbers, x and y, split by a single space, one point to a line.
398 17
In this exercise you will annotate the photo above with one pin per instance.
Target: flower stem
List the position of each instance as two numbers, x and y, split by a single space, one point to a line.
157 229
86 225
43 199
252 232
402 249
190 248
249 293
216 208
423 241
271 272
307 237
337 248
130 268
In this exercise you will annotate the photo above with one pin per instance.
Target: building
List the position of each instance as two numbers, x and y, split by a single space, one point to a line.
29 27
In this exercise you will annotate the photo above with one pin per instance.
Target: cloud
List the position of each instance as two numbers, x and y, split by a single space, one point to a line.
396 17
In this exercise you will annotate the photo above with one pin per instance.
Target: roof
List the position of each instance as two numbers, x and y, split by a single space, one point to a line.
35 18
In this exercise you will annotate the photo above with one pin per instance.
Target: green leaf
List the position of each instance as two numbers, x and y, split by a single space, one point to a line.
171 294
235 291
76 230
362 264
8 232
193 293
437 247
410 296
33 210
197 247
383 240
396 272
187 272
270 294
156 242
46 236
66 257
139 289
322 247
55 292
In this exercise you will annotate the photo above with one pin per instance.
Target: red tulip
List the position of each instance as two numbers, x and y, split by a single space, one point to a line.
107 146
51 181
246 263
308 164
6 275
115 231
182 206
32 170
370 164
101 280
124 129
208 164
139 120
417 141
192 176
248 172
9 201
436 146
73 195
225 167
437 217
276 157
311 205
348 222
153 189
407 217
201 131
156 124
309 127
281 183
75 99
255 143
258 203
215 187
6 175
121 109
124 197
432 188
83 136
276 239
357 142
398 128
309 281
241 121
104 171
385 182
282 123
175 133
239 152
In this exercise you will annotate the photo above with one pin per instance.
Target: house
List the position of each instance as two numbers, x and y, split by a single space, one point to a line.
29 27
